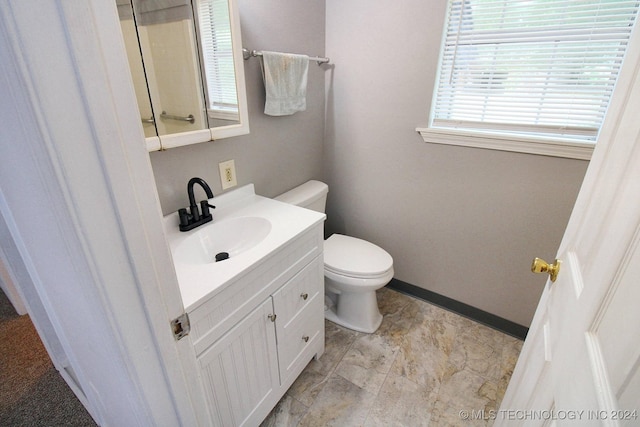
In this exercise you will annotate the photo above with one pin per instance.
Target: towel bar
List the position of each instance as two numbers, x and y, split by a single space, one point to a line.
189 118
246 54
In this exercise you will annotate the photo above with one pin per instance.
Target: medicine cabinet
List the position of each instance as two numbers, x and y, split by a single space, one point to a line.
185 58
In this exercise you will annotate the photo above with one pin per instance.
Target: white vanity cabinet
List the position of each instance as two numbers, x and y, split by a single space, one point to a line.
254 337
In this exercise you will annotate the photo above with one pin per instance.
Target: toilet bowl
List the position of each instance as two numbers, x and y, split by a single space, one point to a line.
353 268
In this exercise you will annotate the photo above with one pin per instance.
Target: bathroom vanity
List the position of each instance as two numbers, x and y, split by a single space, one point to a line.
257 317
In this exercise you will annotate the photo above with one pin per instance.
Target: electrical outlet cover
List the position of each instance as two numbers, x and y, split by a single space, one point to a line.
228 174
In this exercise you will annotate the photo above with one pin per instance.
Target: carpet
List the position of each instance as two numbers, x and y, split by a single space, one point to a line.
32 392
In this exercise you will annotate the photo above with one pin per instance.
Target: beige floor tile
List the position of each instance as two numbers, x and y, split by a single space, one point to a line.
340 403
287 413
401 402
424 352
368 362
422 367
398 320
477 356
338 340
390 301
463 394
309 384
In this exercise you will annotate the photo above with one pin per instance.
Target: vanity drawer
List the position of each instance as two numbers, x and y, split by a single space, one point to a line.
297 339
298 292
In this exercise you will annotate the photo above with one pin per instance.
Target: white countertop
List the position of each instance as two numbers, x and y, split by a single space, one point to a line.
199 282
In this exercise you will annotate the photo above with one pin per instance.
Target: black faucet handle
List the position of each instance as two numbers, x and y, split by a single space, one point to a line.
184 217
204 208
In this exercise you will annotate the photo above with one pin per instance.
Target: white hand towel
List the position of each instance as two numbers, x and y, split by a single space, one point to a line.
285 82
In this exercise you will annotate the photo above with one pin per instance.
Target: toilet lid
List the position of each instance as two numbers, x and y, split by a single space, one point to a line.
355 257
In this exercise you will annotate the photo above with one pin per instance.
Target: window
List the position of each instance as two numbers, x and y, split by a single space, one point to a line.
217 52
531 69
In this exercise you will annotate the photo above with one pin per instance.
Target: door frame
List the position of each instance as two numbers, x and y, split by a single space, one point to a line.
78 167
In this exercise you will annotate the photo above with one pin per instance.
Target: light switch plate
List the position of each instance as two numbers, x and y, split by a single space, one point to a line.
228 174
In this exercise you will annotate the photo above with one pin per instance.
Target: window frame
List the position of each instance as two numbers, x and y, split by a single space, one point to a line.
499 139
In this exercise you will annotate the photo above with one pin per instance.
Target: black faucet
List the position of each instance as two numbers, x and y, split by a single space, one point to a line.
194 218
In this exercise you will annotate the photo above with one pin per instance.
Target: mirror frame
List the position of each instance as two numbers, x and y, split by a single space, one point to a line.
163 142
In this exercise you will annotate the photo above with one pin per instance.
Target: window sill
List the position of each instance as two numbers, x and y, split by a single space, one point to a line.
514 143
222 114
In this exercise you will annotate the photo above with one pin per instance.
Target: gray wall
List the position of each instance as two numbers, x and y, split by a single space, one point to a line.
462 222
280 152
458 221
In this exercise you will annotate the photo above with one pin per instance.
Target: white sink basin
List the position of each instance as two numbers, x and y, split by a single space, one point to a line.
232 236
250 228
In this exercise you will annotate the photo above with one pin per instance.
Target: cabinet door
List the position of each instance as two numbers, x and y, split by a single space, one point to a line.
240 371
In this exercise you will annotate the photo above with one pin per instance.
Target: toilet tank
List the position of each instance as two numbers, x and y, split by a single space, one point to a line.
311 195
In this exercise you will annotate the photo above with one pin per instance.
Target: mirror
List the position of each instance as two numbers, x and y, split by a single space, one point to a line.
171 45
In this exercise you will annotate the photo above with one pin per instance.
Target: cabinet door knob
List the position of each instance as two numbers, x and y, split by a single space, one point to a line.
305 338
304 296
272 317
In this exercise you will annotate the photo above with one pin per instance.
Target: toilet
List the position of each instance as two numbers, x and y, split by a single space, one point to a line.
353 268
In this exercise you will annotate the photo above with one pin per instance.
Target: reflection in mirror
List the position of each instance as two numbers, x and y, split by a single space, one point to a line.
128 26
217 60
168 55
166 35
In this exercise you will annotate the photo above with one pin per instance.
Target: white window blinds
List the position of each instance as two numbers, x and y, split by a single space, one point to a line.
545 67
215 34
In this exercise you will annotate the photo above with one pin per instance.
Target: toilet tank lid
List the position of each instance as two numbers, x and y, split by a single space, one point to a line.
304 193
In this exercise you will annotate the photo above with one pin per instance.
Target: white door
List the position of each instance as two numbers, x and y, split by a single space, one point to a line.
580 364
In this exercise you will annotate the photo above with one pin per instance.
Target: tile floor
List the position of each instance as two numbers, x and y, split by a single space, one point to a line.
421 368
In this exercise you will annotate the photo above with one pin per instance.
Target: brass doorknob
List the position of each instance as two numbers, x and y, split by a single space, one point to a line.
541 266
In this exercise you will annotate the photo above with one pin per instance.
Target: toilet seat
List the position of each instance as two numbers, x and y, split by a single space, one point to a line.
357 258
